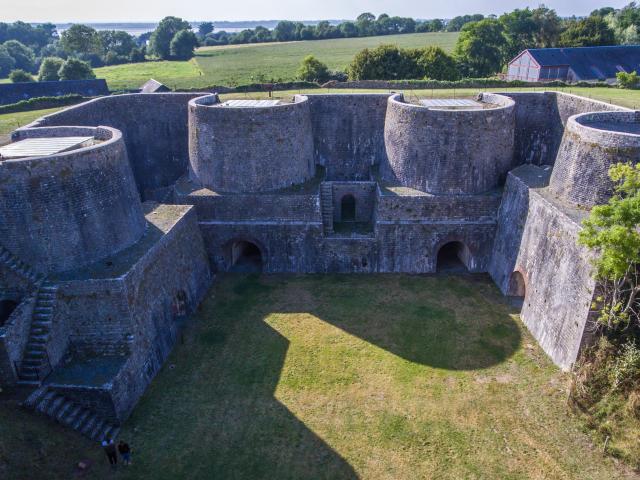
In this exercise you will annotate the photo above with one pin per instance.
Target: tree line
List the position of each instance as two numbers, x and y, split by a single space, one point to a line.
485 46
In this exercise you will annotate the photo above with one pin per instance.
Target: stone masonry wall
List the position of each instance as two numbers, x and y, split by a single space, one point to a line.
154 128
73 208
448 151
592 143
539 240
348 133
365 197
245 150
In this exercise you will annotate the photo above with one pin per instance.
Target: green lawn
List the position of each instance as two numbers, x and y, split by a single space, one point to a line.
350 376
10 121
242 64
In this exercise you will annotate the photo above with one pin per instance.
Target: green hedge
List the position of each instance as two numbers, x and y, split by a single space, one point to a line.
39 103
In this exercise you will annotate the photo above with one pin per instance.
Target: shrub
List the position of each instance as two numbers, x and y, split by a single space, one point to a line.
137 55
627 80
74 69
19 75
313 70
386 62
437 65
49 69
112 58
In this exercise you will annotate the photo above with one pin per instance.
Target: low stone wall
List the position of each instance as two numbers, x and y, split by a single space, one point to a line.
348 133
73 208
448 151
252 149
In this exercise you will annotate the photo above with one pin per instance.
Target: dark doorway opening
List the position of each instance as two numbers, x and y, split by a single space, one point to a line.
348 208
6 309
517 289
245 257
450 258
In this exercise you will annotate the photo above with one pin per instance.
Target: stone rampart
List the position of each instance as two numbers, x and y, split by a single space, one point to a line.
449 151
593 142
66 210
250 149
154 128
348 133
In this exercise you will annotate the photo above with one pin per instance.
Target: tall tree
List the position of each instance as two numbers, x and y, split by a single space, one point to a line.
588 32
183 45
80 39
204 29
480 48
23 55
160 41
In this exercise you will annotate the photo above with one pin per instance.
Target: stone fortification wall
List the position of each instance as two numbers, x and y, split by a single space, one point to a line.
348 133
449 151
538 239
593 142
364 194
14 335
420 206
154 128
540 121
300 207
67 210
253 149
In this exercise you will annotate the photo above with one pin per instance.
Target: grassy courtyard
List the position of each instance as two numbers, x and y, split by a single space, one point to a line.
376 377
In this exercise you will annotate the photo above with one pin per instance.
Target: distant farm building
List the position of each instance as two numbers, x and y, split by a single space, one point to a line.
154 86
574 64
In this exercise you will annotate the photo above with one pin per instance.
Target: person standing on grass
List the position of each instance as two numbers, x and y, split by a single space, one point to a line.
110 449
125 452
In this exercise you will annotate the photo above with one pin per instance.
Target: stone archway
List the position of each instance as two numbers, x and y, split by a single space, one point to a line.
6 309
451 258
246 256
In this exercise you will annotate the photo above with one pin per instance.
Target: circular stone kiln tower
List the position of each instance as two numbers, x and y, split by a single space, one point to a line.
67 209
248 146
592 142
443 150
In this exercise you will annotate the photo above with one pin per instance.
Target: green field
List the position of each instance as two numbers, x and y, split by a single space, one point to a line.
243 64
338 377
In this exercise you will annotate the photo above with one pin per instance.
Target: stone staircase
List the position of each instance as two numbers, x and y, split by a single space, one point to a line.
14 263
35 358
47 401
326 207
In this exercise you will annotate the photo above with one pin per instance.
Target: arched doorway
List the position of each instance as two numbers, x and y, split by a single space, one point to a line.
245 257
348 208
6 309
517 289
451 258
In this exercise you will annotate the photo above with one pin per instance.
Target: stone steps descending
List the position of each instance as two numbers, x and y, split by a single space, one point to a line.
14 263
326 207
35 359
58 408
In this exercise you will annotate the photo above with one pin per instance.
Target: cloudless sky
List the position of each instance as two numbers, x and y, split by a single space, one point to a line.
153 10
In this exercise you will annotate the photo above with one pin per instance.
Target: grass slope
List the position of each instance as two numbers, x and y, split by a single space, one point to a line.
319 376
242 64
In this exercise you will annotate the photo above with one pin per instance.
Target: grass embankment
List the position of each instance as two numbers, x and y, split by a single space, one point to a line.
386 376
243 64
10 121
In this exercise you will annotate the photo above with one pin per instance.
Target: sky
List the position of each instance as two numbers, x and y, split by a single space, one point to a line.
142 11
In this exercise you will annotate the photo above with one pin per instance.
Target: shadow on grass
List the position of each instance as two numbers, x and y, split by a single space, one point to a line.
220 398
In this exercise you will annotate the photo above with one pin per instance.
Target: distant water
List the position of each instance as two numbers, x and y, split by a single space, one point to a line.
140 28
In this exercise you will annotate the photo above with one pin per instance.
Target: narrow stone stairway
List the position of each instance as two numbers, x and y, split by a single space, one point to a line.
326 207
47 401
34 360
18 266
